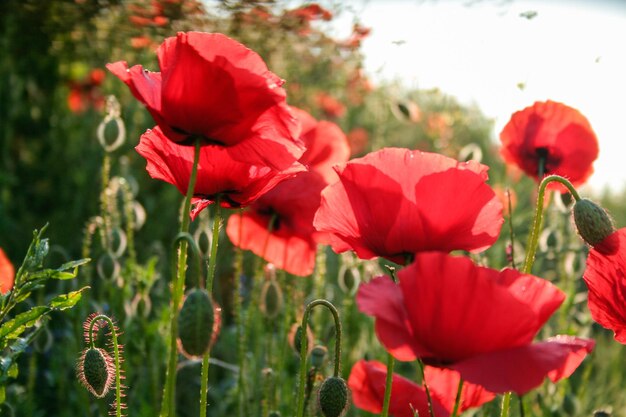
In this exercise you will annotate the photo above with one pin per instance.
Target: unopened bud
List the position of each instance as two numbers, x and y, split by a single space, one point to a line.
333 397
96 371
593 222
198 323
318 354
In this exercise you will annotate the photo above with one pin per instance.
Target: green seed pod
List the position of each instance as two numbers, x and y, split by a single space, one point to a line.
271 299
96 371
318 354
571 405
593 222
333 397
295 338
349 279
198 323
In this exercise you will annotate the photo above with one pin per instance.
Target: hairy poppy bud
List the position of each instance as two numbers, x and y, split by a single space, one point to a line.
593 222
601 413
333 397
96 371
271 299
198 323
318 354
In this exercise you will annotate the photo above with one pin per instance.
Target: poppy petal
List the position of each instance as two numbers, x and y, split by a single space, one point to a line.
605 276
482 311
367 383
7 273
383 299
523 368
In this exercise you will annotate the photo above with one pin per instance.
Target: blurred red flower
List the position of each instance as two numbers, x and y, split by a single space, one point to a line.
310 12
475 320
86 92
291 243
330 106
237 183
358 138
605 275
554 133
7 273
367 383
359 33
214 87
326 145
396 202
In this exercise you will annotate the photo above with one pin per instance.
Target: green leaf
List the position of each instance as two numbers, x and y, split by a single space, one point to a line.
73 264
13 370
14 327
65 301
2 395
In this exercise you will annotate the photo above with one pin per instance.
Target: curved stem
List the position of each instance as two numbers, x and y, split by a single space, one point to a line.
533 237
116 357
204 385
304 348
388 383
531 248
168 405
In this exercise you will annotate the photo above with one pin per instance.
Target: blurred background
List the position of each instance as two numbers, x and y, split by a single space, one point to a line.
440 76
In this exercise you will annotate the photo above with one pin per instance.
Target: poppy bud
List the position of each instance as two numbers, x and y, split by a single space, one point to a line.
571 405
295 338
601 413
349 279
333 397
593 222
96 371
274 414
271 299
318 354
198 323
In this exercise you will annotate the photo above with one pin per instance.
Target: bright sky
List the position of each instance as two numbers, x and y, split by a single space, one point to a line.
479 51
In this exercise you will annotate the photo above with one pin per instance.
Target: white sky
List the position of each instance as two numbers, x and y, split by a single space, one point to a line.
572 51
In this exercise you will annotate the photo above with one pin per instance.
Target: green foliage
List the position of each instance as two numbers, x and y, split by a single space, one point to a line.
19 331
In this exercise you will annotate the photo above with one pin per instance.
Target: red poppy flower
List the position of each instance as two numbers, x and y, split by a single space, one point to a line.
396 202
214 87
367 384
291 243
326 145
237 183
555 133
7 273
605 276
331 107
475 320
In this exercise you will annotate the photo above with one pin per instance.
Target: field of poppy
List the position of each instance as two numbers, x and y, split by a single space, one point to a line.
207 209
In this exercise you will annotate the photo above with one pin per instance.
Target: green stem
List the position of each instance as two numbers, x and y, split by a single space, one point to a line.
457 401
241 334
533 237
426 389
116 357
531 248
304 348
506 404
204 388
388 383
168 405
